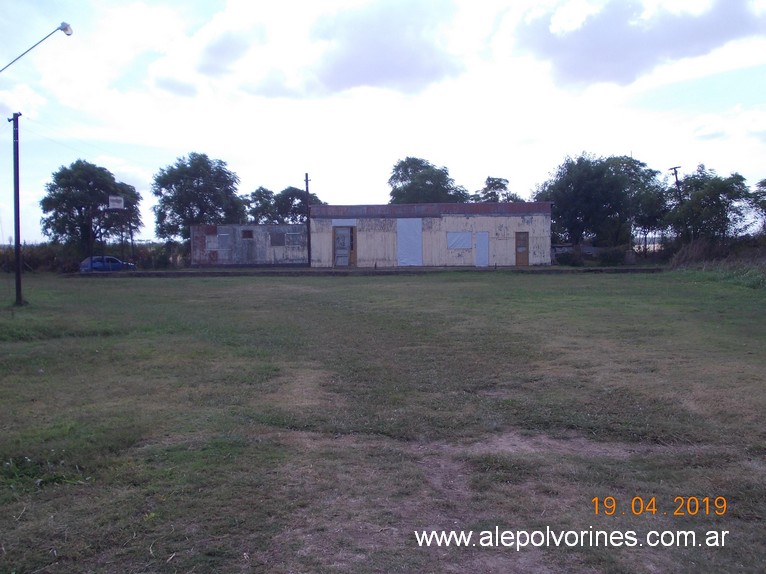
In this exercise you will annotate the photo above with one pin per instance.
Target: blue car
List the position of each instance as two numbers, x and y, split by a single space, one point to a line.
105 263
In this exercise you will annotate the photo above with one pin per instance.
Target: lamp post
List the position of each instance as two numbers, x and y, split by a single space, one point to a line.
64 27
67 29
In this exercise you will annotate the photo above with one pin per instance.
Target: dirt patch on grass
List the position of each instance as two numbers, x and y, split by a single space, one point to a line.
515 442
300 388
364 497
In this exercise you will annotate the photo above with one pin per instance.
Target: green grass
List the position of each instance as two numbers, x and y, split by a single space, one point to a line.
311 424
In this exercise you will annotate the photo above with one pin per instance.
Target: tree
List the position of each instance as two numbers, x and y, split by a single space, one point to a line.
495 190
77 203
287 206
650 209
595 198
261 208
590 200
758 200
415 180
195 191
710 207
645 207
290 205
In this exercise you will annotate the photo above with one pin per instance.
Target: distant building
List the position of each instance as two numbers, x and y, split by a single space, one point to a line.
431 235
248 245
410 235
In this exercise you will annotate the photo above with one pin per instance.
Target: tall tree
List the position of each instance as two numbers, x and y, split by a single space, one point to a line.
290 205
641 199
261 208
415 180
76 206
589 201
195 191
650 209
495 190
759 204
287 206
710 207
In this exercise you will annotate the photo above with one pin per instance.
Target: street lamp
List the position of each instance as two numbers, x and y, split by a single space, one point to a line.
67 29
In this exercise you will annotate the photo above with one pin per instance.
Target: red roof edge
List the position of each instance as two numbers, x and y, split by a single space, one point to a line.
406 210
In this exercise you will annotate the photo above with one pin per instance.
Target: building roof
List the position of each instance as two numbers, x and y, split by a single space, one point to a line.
406 210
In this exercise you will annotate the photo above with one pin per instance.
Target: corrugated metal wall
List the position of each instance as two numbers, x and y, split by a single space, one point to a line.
248 245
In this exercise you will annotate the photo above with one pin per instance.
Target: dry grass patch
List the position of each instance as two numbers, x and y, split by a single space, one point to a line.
300 388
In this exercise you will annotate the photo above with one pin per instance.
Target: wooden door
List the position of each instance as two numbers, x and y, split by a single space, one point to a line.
344 254
522 248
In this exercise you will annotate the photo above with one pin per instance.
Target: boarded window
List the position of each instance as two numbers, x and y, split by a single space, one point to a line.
277 238
409 242
294 239
247 234
458 240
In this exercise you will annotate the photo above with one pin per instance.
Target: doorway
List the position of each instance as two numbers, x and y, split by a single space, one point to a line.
482 249
522 248
344 248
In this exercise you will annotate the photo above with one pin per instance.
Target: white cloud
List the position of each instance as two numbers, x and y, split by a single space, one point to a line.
343 89
571 15
616 45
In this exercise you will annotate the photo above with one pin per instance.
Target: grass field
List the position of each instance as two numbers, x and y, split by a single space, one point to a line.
313 424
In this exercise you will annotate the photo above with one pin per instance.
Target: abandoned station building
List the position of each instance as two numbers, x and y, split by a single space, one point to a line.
422 234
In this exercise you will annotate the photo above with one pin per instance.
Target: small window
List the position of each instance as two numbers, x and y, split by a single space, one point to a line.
247 234
277 238
294 239
459 240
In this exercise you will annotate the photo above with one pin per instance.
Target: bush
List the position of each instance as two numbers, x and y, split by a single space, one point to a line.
571 259
697 252
612 256
741 262
40 257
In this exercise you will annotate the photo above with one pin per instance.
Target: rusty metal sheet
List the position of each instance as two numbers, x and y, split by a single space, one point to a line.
422 210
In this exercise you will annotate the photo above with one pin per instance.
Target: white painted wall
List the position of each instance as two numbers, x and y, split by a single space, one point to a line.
377 240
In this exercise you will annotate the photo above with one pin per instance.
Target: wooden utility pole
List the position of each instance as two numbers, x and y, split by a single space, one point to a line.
16 209
308 220
678 183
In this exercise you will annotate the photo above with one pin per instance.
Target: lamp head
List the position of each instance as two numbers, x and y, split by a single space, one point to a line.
66 28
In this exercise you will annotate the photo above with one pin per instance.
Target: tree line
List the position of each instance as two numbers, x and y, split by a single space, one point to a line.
606 201
610 201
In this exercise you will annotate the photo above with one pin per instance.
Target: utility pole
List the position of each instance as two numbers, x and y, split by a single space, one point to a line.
678 183
308 220
67 29
16 209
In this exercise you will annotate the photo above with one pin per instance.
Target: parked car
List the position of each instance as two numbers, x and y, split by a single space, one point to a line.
104 263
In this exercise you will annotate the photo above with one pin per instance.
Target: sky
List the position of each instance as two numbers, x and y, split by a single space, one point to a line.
344 89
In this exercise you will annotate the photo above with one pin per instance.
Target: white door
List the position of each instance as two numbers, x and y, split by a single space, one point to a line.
482 249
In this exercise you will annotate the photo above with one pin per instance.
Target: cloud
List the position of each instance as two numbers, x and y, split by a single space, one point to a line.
225 50
176 87
391 44
618 45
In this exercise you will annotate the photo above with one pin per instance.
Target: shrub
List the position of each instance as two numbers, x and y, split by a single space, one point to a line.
612 256
571 259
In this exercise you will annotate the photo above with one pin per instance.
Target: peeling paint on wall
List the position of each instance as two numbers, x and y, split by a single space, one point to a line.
487 234
431 235
249 245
